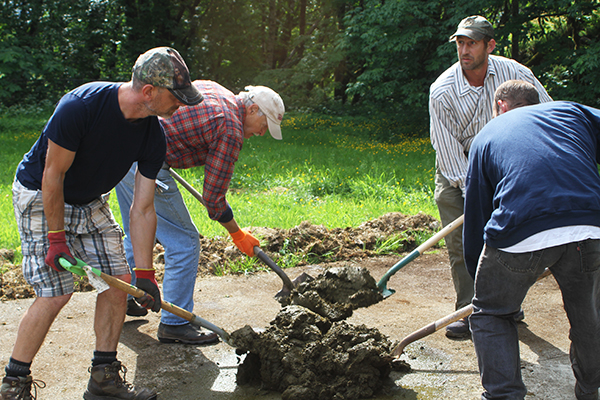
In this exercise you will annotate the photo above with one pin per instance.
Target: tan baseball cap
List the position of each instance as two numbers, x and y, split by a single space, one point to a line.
271 105
475 27
164 67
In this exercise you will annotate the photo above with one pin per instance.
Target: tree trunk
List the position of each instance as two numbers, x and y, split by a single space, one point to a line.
272 34
515 33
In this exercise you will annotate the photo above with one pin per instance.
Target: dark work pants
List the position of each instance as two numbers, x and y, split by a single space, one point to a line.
501 283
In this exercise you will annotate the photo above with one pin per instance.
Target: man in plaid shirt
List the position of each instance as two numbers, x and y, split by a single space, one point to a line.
210 134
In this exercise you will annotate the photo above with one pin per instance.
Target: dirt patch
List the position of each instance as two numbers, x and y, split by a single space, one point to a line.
306 243
338 244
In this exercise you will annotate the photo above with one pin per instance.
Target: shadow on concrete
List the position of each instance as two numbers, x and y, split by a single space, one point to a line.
549 372
186 372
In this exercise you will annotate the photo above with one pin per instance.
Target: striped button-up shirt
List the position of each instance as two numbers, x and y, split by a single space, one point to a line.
458 111
211 134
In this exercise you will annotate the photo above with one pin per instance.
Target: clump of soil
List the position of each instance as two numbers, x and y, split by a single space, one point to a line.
337 292
305 356
309 351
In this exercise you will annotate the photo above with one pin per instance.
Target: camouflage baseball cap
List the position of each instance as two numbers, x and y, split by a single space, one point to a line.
475 27
164 67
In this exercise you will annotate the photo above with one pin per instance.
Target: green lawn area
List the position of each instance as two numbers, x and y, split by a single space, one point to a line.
326 170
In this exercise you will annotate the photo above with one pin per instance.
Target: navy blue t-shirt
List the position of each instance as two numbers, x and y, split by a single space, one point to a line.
89 121
531 169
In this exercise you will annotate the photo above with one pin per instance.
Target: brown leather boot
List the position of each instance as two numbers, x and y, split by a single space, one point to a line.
17 388
106 384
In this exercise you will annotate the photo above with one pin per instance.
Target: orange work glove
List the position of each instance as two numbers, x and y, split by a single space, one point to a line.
245 242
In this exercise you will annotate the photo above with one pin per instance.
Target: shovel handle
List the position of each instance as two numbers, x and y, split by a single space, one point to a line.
257 251
271 264
382 284
442 322
433 327
172 308
186 185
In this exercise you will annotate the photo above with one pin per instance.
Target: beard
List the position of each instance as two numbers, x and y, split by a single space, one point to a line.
161 113
472 63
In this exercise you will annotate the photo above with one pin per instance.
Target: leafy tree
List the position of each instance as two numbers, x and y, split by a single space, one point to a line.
48 46
402 45
363 54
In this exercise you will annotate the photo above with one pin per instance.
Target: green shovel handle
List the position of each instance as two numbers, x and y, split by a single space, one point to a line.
137 293
77 268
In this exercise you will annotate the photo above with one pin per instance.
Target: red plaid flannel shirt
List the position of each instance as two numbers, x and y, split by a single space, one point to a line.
211 134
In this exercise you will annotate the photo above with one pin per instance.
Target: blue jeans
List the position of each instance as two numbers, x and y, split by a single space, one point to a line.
501 283
176 232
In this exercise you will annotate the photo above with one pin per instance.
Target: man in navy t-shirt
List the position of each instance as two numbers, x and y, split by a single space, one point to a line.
95 134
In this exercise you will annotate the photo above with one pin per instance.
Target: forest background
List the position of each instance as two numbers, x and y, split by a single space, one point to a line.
346 57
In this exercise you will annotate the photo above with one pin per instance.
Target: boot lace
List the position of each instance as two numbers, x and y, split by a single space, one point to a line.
116 367
25 392
122 381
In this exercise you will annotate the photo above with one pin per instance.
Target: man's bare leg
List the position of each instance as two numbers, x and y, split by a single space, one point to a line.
35 324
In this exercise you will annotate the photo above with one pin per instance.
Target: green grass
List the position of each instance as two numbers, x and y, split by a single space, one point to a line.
326 170
19 129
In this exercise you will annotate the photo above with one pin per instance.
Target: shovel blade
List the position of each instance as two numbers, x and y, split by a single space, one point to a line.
285 291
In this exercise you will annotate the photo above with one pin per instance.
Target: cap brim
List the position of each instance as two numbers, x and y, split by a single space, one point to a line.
190 96
477 36
274 129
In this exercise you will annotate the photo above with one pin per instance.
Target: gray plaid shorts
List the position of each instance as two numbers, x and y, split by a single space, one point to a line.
92 234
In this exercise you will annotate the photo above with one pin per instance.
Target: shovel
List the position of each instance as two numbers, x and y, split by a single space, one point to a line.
382 284
102 281
288 285
440 323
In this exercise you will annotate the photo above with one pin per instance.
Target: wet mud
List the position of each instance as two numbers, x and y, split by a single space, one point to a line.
305 357
336 293
309 351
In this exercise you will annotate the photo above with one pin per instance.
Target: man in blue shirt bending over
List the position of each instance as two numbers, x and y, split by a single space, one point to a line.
533 202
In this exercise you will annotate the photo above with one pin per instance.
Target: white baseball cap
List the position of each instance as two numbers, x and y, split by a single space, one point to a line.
271 105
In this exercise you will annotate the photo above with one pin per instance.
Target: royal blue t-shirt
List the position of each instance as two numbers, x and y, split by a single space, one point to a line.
89 121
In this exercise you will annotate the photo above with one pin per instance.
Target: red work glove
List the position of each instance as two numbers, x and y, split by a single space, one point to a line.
58 248
146 281
245 242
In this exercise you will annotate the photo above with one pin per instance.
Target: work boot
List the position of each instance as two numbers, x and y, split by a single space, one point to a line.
186 333
106 384
581 395
459 329
17 388
134 309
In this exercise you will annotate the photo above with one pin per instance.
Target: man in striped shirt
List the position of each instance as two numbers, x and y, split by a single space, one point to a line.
460 104
211 134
